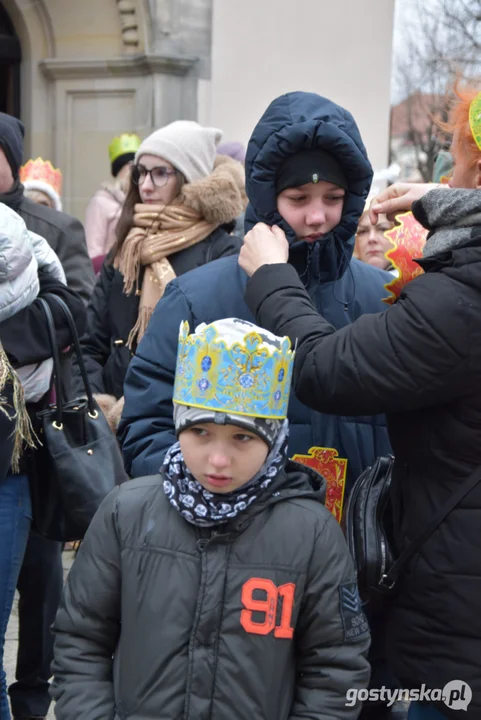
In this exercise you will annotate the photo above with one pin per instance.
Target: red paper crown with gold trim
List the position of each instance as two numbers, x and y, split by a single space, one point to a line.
408 237
44 171
41 175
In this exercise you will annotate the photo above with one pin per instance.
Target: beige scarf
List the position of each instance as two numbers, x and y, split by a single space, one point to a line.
21 426
157 233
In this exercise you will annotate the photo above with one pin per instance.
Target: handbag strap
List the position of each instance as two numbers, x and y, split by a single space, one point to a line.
78 352
52 336
389 580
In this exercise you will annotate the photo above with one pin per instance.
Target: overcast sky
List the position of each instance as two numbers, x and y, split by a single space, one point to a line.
404 13
405 10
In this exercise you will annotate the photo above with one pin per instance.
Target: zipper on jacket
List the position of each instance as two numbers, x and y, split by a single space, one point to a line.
204 540
201 544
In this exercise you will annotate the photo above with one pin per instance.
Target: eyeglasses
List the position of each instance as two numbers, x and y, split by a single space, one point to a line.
159 176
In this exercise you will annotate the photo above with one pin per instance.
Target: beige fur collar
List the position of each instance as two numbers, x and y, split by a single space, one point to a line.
115 189
220 197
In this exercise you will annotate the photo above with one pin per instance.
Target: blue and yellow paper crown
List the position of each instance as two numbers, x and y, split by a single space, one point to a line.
251 376
125 143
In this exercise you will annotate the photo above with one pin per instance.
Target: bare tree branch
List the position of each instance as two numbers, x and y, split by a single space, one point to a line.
441 40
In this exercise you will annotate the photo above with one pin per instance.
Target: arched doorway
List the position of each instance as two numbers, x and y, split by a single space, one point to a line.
10 57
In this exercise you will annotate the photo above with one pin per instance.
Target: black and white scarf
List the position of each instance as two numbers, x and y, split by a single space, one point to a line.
453 217
203 508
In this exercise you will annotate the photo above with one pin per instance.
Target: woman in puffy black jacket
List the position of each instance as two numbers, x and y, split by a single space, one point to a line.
178 213
420 363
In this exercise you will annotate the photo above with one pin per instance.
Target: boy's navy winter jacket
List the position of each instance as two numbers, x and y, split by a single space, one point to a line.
341 288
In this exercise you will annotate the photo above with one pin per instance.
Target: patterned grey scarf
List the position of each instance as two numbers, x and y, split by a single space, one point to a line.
453 217
203 508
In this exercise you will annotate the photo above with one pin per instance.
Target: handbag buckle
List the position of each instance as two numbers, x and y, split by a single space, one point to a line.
386 585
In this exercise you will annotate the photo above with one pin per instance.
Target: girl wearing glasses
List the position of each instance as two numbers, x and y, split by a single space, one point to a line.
178 214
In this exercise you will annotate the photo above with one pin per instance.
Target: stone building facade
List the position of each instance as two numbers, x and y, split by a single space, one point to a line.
80 72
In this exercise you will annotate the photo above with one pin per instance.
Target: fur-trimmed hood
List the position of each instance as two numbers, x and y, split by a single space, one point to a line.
114 190
220 197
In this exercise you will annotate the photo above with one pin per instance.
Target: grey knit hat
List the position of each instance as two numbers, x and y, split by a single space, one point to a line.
188 146
186 417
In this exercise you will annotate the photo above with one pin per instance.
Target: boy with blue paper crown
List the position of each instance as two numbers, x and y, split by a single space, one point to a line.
221 587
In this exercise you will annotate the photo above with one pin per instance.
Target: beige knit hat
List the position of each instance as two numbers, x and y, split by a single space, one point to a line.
188 146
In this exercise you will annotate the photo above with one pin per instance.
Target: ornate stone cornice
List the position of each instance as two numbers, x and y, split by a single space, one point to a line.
125 66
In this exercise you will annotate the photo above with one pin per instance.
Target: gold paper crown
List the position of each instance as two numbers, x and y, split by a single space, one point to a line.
125 143
250 377
42 171
475 119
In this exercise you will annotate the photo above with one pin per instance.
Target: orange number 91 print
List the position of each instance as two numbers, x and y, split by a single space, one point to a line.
268 608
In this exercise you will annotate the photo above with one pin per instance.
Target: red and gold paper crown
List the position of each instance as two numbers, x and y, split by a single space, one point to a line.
42 171
409 238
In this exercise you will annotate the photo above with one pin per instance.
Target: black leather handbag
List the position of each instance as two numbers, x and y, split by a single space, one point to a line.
370 530
369 526
79 460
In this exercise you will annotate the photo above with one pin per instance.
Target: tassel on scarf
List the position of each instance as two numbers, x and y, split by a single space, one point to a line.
128 261
138 331
23 430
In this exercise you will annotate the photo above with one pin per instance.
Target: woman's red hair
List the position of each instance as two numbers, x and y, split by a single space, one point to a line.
459 121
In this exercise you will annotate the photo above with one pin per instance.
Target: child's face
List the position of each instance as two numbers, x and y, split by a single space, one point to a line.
222 458
312 210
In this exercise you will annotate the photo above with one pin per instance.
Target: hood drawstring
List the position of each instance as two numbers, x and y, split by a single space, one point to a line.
345 303
305 276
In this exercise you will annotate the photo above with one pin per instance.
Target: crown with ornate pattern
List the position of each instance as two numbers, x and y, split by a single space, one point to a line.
41 175
475 119
125 143
234 366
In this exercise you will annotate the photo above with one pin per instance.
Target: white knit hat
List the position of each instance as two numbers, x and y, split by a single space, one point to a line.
46 189
188 146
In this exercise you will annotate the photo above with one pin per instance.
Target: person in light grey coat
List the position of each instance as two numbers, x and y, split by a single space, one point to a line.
22 254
